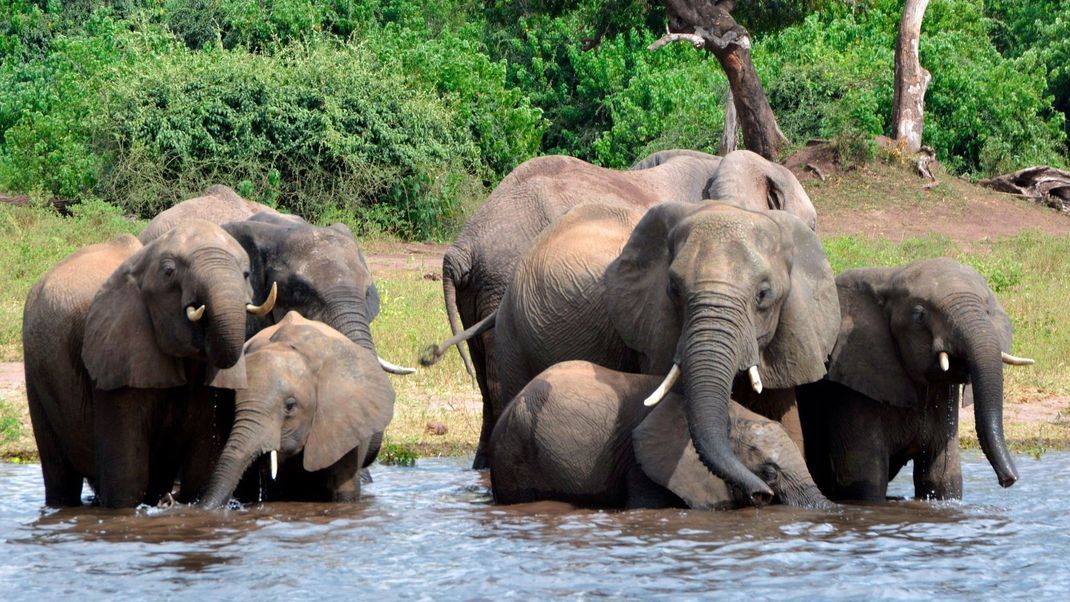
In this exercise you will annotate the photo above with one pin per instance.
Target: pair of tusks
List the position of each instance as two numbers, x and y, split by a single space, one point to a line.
1010 360
674 375
196 313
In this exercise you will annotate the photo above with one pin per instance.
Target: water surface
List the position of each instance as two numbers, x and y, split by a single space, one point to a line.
430 532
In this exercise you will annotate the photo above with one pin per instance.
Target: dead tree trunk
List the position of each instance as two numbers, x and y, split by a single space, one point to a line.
911 79
709 24
731 125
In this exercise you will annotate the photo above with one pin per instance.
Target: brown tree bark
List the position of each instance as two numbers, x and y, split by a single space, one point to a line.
711 20
911 79
731 125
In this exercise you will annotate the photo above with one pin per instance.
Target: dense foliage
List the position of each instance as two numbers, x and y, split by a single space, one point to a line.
398 115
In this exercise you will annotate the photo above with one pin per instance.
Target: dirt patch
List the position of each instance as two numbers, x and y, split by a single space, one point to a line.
386 256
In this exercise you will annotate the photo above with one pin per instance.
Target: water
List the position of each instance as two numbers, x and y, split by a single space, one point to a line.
430 532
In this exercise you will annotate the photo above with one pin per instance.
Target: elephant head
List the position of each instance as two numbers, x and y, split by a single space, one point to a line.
183 296
665 453
753 182
932 322
310 391
711 290
320 271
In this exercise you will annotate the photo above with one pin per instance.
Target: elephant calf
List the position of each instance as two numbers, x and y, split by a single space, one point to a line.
314 408
581 433
909 336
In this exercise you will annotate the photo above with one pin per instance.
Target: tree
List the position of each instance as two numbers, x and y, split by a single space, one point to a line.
911 79
709 24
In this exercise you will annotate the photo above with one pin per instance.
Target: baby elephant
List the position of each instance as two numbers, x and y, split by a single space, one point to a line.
315 405
582 434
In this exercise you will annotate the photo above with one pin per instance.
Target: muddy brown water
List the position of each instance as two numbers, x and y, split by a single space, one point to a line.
430 532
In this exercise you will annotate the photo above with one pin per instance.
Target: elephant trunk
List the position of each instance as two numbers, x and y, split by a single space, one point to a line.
346 313
249 439
711 341
223 296
986 374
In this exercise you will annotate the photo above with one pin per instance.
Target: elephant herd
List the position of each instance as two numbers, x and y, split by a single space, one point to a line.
668 335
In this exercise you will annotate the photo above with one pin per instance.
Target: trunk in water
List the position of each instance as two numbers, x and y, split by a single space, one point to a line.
244 445
986 375
710 366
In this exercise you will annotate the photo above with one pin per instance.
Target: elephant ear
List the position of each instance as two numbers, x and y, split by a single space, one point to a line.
355 402
119 346
810 315
866 358
663 449
637 285
1002 322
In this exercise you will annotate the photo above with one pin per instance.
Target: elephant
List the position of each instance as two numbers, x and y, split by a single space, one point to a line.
707 291
581 433
220 204
321 273
909 336
315 404
126 348
480 263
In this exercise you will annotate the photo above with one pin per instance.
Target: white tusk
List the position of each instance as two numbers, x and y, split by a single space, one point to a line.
664 388
1013 360
194 314
274 464
945 362
755 378
267 305
394 368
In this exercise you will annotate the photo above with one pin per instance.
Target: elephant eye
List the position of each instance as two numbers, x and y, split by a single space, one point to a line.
765 293
918 314
167 267
291 405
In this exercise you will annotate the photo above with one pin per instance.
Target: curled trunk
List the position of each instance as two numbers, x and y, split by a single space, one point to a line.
224 300
712 341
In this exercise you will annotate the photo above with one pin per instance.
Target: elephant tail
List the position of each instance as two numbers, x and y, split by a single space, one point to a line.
433 353
449 289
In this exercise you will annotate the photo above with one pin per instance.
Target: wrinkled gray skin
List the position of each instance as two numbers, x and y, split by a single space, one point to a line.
109 350
219 205
480 264
886 401
318 399
579 433
711 287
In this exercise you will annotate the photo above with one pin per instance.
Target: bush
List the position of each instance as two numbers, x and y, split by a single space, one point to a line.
336 127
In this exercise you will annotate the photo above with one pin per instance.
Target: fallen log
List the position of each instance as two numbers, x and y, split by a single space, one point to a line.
1046 185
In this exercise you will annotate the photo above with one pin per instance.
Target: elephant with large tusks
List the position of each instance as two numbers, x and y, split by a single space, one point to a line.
314 407
124 344
910 336
580 433
479 265
706 293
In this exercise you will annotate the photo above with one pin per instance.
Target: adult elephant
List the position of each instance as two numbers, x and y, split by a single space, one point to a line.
219 205
909 337
580 433
480 264
706 290
314 405
321 273
121 342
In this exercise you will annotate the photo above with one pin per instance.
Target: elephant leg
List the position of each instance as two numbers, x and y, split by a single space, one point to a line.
859 451
343 477
937 469
205 426
487 376
123 427
63 484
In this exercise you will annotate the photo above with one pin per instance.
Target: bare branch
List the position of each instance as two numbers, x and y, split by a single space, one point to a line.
695 39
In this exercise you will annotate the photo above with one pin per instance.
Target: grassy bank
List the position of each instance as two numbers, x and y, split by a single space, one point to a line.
438 409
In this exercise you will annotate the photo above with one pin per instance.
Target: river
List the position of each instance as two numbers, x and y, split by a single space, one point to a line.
430 532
